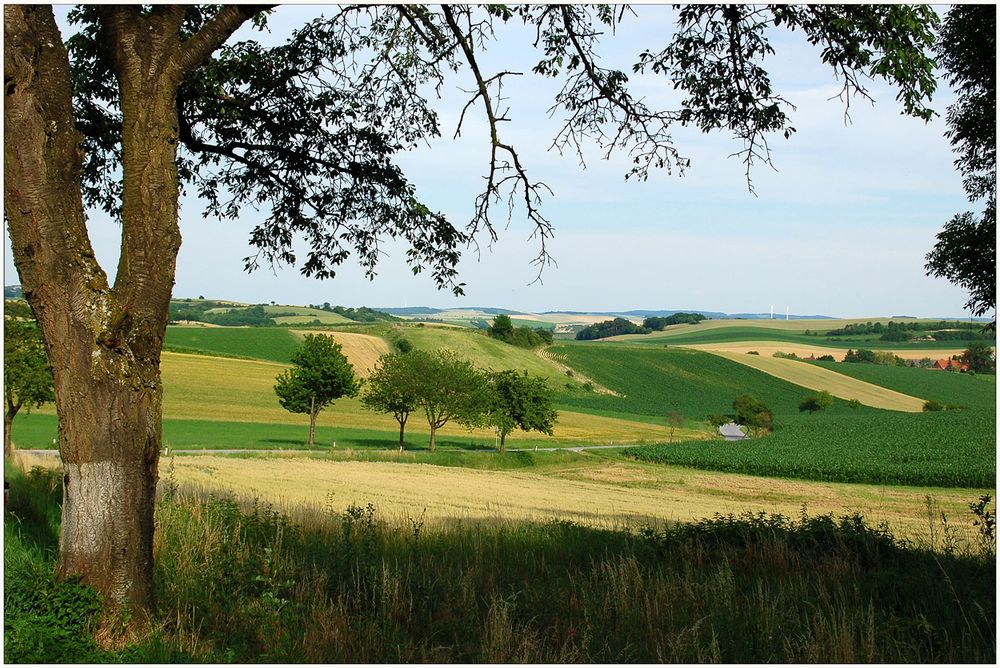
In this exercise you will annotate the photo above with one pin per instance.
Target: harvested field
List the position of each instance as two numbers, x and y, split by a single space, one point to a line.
361 350
595 493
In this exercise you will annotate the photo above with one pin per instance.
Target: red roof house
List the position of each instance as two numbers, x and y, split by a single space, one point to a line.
951 365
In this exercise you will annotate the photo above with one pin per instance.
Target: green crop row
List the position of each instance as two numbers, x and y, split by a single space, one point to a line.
945 449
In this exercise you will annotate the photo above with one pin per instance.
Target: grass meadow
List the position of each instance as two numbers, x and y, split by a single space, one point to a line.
241 582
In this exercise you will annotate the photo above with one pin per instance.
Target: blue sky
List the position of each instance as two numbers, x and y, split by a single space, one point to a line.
841 228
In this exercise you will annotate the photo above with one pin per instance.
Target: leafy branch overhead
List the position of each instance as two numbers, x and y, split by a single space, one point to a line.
308 131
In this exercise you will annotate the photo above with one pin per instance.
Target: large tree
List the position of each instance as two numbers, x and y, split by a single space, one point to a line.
149 101
966 248
391 388
320 375
27 379
447 388
519 401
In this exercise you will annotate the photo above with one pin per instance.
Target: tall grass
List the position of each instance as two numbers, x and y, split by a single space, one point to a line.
344 585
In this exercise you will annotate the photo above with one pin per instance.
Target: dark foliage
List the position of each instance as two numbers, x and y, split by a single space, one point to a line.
615 327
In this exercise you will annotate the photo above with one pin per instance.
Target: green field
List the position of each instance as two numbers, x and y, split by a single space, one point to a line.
951 449
961 389
260 343
656 381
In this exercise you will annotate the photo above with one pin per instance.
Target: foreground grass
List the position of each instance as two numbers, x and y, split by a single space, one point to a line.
345 585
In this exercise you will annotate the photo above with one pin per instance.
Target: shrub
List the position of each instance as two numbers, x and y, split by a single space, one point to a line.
403 345
854 404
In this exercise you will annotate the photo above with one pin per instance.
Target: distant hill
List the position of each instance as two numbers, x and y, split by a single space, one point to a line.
12 292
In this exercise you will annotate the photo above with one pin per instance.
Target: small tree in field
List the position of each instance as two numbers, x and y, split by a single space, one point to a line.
674 420
519 401
27 379
390 389
817 402
447 388
321 375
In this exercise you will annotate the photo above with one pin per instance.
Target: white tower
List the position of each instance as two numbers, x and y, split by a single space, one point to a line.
786 313
772 311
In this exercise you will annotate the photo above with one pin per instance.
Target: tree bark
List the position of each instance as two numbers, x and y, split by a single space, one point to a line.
402 426
103 342
8 421
433 434
312 421
503 438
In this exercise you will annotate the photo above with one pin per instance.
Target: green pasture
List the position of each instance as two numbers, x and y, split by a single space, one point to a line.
261 343
481 350
655 381
38 431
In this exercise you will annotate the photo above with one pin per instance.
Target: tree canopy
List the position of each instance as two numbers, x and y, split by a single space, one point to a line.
966 250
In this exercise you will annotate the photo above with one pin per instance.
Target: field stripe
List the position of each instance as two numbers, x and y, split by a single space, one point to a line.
768 348
817 378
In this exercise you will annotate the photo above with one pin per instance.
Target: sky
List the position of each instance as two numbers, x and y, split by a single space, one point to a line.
839 227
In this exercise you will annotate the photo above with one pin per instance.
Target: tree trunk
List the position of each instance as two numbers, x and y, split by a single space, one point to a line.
8 421
103 343
503 438
433 433
312 421
402 426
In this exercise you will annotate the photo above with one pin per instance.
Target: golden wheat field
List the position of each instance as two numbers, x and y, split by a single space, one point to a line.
594 491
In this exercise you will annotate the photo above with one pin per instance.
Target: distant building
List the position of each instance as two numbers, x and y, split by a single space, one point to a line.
732 432
951 365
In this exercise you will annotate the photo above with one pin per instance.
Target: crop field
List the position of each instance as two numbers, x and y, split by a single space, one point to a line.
822 378
952 448
946 449
969 390
261 343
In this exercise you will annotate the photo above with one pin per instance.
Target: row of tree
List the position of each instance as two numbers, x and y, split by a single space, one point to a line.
657 323
607 328
439 384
